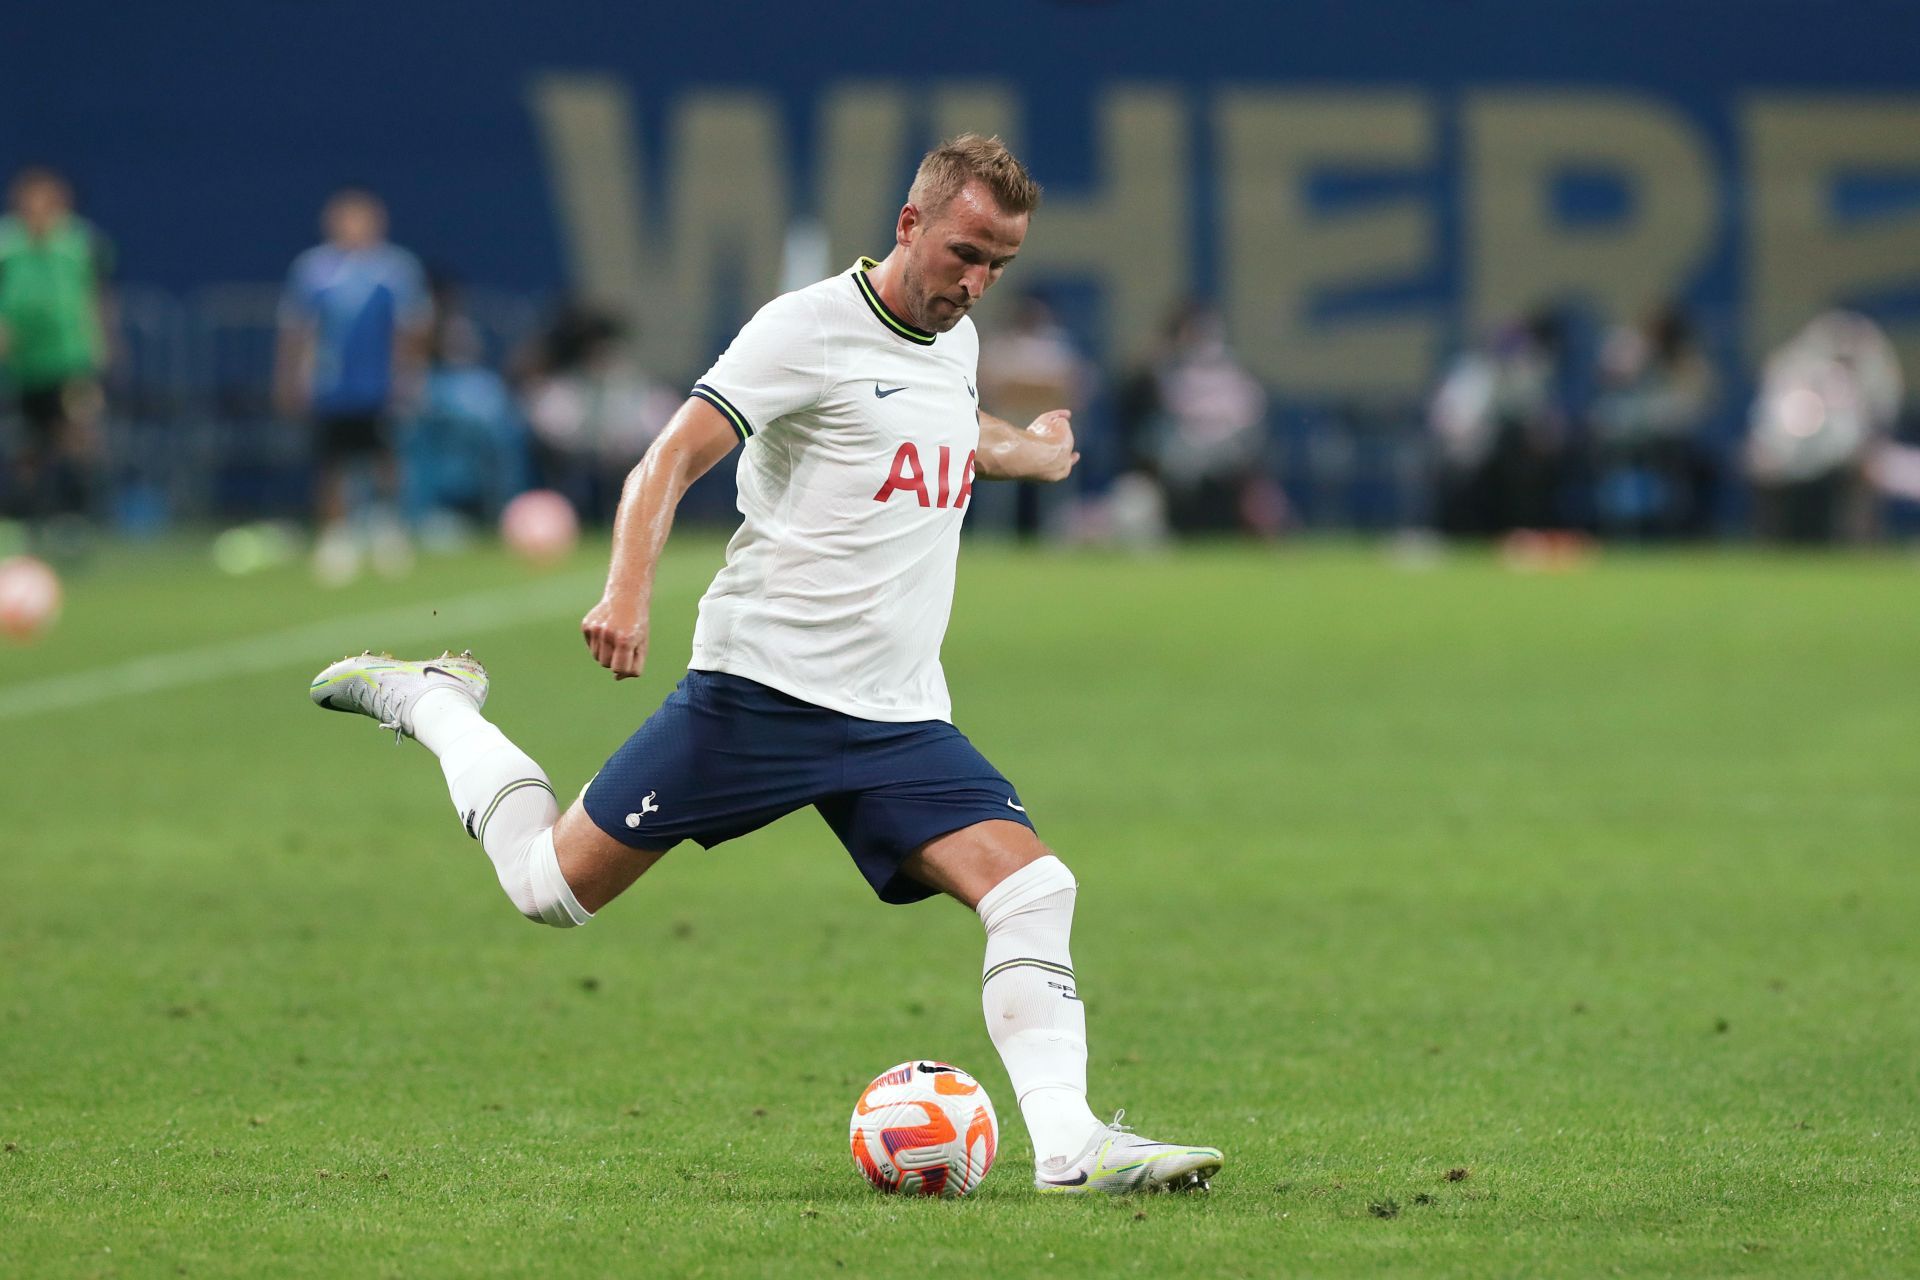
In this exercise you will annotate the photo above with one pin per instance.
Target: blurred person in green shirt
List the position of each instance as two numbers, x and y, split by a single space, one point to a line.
54 268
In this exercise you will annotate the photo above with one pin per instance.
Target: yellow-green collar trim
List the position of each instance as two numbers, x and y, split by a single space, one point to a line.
879 308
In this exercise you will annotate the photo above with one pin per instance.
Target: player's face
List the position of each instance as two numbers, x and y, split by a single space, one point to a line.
41 204
354 222
954 256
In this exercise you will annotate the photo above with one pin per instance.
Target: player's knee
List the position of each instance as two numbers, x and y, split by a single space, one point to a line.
534 884
1044 875
521 894
1043 884
1055 872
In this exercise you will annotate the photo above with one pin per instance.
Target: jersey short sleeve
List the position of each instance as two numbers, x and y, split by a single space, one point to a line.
775 366
412 300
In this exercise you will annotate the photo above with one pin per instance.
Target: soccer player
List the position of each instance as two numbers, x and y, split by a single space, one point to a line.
353 330
55 313
816 676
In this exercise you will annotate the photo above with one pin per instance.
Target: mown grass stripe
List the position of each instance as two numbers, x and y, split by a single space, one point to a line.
312 644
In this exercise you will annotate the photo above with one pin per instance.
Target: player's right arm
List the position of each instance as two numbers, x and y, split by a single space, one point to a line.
293 368
774 366
696 438
293 349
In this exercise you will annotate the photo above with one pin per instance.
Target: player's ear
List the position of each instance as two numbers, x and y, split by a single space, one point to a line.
909 223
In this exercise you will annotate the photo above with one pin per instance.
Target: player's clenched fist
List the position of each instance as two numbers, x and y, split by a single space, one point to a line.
1055 430
616 633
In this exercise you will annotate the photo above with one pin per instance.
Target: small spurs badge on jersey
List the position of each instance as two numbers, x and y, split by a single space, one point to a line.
647 806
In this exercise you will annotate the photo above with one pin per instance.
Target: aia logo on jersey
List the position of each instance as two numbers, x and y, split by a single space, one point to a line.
949 489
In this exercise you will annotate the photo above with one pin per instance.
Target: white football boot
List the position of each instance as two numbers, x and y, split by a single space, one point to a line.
384 687
1117 1161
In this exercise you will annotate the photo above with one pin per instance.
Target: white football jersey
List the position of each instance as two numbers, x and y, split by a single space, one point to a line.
859 433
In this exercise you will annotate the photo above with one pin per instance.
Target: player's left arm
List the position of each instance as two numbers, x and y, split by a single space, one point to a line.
1042 451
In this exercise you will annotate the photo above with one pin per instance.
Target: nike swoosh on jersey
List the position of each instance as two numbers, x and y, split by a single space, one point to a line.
882 395
1011 805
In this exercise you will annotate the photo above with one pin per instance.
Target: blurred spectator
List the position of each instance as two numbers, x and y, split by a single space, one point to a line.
1656 392
353 329
465 450
1828 399
55 313
1501 433
1026 369
1195 420
592 409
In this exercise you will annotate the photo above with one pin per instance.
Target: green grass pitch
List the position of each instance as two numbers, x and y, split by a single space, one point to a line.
1492 924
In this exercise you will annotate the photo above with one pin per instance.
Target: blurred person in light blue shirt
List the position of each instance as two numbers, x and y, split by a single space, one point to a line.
465 448
1656 392
353 325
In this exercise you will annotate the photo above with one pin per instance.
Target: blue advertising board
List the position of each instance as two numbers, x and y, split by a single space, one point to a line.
1360 186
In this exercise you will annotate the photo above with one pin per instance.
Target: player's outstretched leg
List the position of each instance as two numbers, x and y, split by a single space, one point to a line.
503 798
1038 1024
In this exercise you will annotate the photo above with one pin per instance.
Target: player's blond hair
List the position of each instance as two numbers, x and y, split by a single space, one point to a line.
968 158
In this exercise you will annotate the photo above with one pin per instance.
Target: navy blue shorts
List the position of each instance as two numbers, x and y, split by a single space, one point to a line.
724 756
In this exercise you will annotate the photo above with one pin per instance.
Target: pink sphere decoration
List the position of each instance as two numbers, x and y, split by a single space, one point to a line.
29 597
539 526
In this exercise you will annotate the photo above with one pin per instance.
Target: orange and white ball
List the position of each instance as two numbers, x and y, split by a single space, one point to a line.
540 527
924 1129
29 597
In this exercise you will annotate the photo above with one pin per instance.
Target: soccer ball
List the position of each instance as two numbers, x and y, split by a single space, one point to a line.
29 597
924 1129
539 526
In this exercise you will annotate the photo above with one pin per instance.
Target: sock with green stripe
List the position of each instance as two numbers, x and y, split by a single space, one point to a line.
1033 1008
505 802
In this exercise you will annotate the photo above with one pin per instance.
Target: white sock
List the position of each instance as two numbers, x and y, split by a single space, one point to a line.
505 802
1034 1014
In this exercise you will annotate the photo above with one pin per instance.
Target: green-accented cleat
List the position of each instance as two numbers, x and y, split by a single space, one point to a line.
1118 1161
385 687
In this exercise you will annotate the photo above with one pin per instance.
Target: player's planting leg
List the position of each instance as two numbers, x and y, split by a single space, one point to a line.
1038 1024
1034 1014
503 798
